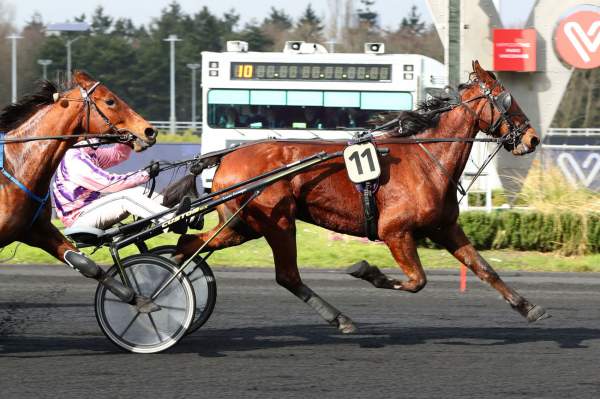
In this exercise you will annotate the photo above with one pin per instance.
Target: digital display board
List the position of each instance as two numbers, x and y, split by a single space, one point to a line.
293 71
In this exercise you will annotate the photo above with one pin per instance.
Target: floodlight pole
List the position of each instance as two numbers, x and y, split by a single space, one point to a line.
172 119
44 64
69 42
14 39
69 27
193 67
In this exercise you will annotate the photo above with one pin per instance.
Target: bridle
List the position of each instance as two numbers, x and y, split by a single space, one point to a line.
118 135
501 103
89 103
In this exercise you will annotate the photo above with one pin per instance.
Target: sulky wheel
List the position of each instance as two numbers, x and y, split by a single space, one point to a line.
153 332
203 281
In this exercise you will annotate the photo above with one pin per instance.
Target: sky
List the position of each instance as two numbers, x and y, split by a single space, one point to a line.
390 11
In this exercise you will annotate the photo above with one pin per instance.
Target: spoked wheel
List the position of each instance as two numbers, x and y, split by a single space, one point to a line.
152 332
203 281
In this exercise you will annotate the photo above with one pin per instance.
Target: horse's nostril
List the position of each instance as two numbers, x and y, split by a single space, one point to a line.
150 133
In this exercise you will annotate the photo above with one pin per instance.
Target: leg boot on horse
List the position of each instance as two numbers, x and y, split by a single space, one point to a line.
456 242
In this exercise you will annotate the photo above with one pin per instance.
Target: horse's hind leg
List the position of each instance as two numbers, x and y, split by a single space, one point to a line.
283 244
404 250
456 242
188 244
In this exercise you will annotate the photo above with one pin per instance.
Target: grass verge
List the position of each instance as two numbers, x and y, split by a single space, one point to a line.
321 249
187 136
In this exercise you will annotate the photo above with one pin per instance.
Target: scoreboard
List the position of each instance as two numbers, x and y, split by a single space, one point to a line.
299 71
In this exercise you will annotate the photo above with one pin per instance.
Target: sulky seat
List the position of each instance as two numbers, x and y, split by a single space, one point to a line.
87 236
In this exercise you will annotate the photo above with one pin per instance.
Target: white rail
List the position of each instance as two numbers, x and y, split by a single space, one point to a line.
571 147
179 125
568 132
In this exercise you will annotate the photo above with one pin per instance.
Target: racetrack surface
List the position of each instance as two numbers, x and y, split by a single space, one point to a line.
262 342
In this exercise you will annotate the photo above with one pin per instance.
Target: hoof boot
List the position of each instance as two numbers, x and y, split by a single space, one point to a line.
345 324
537 313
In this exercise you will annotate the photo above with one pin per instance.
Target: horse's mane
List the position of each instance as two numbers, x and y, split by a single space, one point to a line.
426 115
13 115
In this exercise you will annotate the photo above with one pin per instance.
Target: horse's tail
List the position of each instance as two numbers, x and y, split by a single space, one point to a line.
174 193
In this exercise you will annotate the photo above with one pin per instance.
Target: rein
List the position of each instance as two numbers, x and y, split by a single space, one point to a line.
122 138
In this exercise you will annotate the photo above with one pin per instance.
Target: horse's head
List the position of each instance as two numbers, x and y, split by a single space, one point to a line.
501 116
107 113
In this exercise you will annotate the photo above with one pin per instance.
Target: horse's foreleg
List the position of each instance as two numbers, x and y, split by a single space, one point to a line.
456 242
404 250
283 244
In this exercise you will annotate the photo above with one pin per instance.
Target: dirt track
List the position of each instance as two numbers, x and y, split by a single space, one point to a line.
262 342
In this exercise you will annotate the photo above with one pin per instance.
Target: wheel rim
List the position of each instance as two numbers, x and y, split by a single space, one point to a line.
150 332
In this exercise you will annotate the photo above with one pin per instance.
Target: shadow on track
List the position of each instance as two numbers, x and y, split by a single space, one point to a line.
217 342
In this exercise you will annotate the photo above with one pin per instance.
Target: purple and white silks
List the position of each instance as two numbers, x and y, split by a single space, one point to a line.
81 178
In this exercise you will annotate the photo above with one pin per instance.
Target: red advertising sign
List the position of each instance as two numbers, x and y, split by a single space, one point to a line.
514 50
577 39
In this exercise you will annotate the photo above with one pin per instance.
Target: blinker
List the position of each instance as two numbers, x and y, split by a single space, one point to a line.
505 100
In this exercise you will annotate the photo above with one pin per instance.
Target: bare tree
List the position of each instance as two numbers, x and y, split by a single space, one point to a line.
309 27
6 28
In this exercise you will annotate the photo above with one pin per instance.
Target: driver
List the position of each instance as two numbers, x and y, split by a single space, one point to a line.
86 195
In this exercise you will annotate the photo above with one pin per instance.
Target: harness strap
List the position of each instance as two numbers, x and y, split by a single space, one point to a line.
459 186
40 200
370 209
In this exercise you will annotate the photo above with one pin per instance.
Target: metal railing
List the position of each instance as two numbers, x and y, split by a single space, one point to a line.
179 125
572 132
572 139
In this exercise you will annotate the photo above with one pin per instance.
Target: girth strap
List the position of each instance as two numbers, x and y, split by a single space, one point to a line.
370 209
367 191
33 196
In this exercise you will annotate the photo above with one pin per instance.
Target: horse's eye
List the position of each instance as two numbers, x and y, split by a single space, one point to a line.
110 102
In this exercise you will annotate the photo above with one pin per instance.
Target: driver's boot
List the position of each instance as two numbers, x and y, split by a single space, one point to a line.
88 268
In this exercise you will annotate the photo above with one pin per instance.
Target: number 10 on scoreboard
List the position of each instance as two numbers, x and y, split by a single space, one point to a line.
362 163
244 71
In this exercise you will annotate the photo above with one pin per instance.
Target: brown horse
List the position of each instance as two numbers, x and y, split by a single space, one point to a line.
87 108
416 197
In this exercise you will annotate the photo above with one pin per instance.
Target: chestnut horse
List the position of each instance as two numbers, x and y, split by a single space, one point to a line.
416 196
86 109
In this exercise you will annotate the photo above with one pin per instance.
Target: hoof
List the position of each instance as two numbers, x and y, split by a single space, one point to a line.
359 269
145 305
345 325
537 313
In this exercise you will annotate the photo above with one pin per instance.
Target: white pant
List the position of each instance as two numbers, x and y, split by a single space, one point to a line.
112 208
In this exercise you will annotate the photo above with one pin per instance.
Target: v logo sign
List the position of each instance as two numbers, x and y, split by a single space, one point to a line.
585 43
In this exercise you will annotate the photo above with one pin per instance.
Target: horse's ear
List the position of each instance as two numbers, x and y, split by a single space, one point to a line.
83 79
481 73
